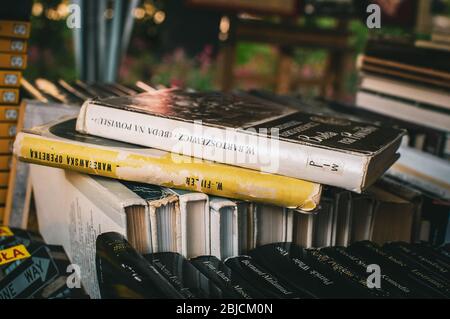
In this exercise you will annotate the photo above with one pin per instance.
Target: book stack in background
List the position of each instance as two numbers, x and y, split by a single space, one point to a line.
13 60
206 208
233 213
440 34
412 85
409 86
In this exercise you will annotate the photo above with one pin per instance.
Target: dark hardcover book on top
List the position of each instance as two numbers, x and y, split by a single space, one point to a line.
316 147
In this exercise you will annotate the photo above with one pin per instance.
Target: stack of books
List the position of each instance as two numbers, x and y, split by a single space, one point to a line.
409 87
223 188
29 268
14 33
412 85
440 34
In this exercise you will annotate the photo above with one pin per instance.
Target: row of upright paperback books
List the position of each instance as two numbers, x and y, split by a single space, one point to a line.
13 60
255 171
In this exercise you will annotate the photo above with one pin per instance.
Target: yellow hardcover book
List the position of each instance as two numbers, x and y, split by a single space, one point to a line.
4 178
13 45
9 113
9 96
5 162
15 29
6 145
13 61
59 145
8 129
10 78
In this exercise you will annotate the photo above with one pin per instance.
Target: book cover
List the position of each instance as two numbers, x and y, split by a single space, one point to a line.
286 262
73 209
397 287
414 257
355 280
124 273
184 277
59 145
242 130
230 281
267 283
398 268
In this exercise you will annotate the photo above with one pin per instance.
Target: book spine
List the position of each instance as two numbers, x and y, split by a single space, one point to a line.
170 170
234 147
13 46
13 61
10 78
15 29
9 96
9 113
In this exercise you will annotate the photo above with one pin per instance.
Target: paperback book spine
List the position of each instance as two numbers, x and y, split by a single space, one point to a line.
316 164
10 78
169 170
15 29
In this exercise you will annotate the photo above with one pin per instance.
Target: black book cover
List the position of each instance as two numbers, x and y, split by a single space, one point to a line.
260 278
433 253
398 287
290 263
443 250
352 278
414 257
123 273
58 287
30 276
223 110
181 274
229 281
30 245
430 285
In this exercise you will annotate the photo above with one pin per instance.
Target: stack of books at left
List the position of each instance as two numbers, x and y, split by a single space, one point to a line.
29 268
14 33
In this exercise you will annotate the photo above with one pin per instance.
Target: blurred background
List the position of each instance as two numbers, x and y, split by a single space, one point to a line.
185 43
